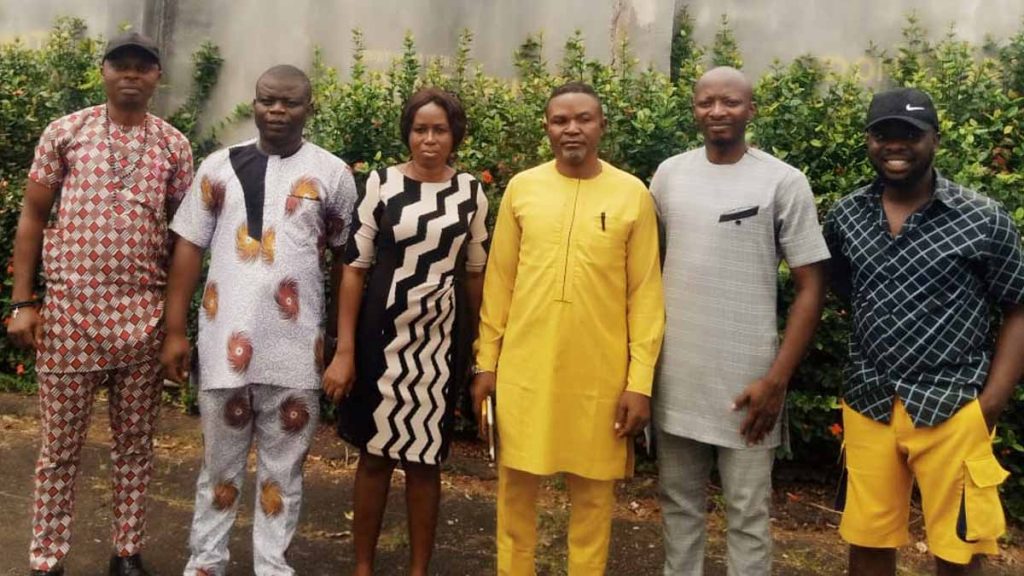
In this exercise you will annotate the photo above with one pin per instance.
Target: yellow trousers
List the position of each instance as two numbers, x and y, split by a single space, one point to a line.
590 523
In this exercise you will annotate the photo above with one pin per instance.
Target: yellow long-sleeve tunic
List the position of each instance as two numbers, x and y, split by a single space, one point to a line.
573 315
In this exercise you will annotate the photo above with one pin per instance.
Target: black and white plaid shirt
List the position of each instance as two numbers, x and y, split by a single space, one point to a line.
921 301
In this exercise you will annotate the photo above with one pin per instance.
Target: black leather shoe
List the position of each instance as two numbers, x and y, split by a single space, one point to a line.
127 566
59 571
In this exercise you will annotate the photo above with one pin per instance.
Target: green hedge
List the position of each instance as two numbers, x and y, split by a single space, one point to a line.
809 114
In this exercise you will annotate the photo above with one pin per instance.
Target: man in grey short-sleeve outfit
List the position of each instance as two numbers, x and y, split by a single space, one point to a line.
730 214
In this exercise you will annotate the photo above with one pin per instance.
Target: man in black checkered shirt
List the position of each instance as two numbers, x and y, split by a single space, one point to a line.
923 261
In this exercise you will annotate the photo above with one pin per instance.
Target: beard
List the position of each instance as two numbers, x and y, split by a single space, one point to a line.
723 141
574 156
726 140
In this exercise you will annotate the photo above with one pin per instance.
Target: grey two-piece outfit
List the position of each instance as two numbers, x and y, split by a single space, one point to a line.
265 220
726 227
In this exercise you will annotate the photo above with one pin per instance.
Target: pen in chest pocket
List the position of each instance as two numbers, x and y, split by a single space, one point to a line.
602 221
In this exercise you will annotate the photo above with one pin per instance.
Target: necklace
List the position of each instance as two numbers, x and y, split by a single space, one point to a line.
135 153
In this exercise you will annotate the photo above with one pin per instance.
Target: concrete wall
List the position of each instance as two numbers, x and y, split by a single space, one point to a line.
31 19
841 30
254 34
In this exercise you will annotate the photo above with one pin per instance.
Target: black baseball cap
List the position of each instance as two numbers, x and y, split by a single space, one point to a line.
909 105
133 40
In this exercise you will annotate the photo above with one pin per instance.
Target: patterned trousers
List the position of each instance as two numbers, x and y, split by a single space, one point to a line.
282 421
684 469
65 402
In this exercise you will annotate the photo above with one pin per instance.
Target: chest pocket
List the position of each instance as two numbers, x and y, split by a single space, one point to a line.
603 238
304 212
737 215
303 221
744 224
299 206
145 191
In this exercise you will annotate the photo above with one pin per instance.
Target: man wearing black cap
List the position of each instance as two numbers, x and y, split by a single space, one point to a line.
922 261
116 172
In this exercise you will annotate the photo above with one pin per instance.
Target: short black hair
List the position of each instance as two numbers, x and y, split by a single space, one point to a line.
289 72
447 101
574 87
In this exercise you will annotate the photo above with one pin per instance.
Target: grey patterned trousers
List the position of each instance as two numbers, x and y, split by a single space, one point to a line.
684 467
282 422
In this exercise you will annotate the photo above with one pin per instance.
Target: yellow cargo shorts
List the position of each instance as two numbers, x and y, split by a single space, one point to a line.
956 472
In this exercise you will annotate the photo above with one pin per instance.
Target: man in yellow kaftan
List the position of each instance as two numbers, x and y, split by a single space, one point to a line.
570 330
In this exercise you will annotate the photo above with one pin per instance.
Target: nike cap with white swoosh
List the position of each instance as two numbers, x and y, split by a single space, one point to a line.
909 105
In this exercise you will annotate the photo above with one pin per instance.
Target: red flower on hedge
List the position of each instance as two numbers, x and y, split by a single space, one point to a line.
20 369
836 430
487 177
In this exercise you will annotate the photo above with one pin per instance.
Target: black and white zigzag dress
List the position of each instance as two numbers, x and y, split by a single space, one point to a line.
416 238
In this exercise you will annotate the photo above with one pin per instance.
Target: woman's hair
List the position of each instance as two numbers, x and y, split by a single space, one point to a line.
447 101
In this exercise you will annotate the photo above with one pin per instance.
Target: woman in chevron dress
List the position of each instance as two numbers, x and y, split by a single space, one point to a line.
417 241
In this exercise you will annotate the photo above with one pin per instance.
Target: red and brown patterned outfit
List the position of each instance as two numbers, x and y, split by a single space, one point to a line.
105 266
